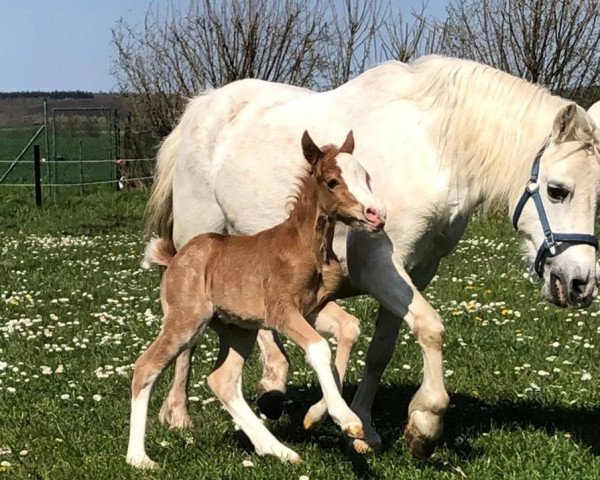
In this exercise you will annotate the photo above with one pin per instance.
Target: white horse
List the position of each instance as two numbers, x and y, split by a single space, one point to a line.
437 137
594 112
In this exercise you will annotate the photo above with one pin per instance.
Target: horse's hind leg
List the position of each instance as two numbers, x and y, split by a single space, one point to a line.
272 386
226 382
180 328
346 329
174 410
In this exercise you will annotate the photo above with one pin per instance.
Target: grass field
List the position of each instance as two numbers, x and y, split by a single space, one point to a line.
94 146
76 309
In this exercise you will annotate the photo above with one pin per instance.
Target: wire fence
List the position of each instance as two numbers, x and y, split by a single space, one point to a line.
81 147
100 182
125 173
118 162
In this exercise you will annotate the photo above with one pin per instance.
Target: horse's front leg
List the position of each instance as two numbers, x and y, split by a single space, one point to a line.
374 269
428 406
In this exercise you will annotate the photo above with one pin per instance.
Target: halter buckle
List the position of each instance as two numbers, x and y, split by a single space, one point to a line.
551 243
532 186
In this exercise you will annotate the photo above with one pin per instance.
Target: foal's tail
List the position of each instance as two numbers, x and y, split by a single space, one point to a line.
159 251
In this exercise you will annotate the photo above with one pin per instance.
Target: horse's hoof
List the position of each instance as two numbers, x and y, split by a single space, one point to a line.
271 404
354 430
419 446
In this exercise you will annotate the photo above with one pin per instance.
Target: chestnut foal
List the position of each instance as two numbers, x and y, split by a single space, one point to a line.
273 279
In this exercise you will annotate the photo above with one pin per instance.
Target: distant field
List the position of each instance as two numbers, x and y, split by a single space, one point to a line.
76 310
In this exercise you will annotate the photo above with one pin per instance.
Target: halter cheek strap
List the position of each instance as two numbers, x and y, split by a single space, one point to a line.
549 247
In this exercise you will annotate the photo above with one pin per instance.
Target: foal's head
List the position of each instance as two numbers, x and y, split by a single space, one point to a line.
344 191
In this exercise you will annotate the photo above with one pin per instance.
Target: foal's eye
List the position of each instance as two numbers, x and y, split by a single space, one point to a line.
332 183
557 193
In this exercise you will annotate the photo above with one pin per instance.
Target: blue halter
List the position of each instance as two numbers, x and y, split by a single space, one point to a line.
549 247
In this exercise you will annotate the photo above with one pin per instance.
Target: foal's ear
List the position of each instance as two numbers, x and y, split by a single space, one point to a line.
348 146
312 153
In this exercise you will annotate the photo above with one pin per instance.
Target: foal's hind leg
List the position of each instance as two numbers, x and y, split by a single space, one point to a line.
180 328
174 410
346 329
226 382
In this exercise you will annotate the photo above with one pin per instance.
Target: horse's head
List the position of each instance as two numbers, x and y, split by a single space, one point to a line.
556 213
343 184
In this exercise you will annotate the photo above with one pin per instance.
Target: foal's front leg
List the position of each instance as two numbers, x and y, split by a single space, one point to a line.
226 382
345 328
294 326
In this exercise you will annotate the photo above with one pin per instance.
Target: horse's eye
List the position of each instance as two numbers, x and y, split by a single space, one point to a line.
557 193
332 183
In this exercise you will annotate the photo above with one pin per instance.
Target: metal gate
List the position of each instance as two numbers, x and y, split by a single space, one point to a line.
85 146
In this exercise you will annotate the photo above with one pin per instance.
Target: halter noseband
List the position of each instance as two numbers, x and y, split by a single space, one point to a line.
549 247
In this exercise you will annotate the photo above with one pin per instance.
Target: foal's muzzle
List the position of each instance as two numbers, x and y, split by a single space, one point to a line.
375 219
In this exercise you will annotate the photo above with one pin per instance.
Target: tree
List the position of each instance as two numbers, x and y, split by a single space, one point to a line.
206 46
301 42
555 43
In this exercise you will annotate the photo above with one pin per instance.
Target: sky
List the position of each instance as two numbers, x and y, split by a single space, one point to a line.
66 44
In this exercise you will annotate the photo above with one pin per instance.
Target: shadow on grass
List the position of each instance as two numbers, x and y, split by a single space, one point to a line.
467 416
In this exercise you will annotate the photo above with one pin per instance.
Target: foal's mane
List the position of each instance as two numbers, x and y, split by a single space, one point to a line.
300 193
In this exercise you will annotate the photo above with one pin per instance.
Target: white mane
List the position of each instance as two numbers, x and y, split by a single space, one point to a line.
488 122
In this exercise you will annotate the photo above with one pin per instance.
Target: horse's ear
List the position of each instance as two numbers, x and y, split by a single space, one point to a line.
572 123
348 146
311 152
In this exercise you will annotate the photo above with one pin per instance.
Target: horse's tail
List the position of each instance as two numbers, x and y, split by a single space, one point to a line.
159 251
159 211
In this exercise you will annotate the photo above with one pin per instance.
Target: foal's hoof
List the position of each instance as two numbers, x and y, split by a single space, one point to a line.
354 430
142 462
419 446
362 447
308 422
178 419
295 460
271 404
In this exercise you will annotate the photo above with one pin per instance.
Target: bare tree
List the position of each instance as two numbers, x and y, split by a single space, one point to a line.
552 42
178 53
353 31
403 40
175 57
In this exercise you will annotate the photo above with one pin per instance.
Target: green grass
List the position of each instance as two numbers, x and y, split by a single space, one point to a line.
73 301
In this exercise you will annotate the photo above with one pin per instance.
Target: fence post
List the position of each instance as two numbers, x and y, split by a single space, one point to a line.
37 175
80 168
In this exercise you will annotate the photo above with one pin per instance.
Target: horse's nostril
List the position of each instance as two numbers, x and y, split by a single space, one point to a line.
578 288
